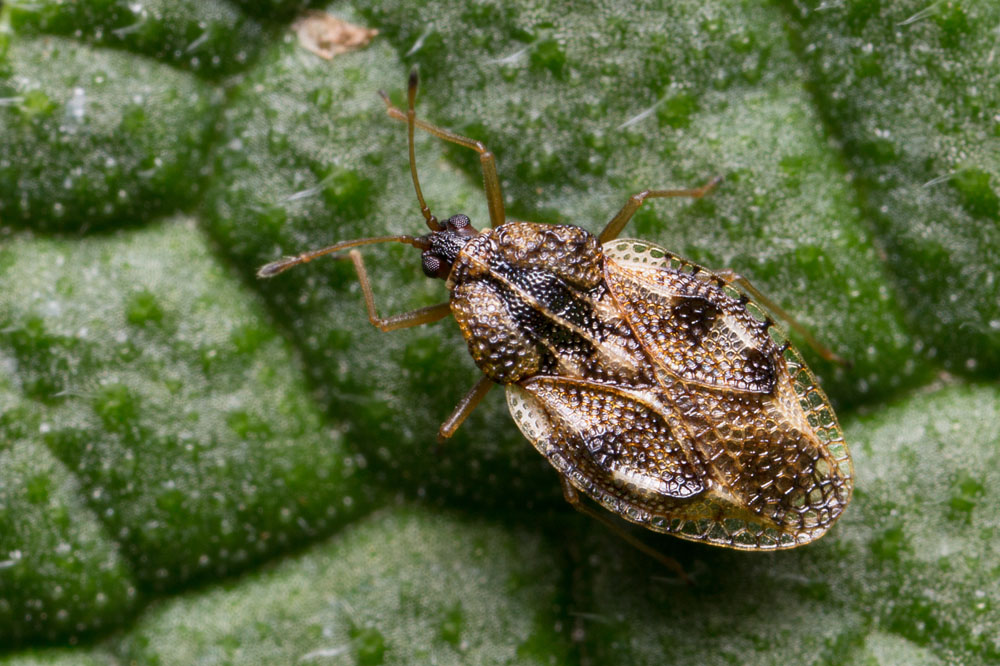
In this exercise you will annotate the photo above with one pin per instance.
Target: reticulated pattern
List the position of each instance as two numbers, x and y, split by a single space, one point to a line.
663 393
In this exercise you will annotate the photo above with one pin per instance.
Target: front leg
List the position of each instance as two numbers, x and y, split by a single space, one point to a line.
416 317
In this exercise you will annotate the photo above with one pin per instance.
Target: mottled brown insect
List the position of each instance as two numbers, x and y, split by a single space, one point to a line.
657 388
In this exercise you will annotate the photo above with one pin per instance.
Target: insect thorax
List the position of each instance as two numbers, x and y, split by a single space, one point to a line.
531 299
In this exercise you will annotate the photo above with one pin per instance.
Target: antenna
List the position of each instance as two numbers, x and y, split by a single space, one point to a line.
282 265
411 117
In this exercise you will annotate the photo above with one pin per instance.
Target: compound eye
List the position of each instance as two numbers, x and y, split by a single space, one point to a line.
457 222
431 265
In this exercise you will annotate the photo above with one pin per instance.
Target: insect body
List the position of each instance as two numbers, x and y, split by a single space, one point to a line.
655 387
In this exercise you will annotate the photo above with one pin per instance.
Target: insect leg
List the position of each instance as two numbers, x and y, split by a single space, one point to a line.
465 406
619 221
491 181
573 497
730 276
403 320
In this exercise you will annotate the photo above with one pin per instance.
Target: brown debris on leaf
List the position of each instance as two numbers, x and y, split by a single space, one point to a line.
328 36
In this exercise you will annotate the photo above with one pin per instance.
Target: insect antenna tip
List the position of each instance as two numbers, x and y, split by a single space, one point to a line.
275 267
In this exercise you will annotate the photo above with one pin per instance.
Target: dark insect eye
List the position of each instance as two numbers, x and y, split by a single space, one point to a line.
458 221
432 265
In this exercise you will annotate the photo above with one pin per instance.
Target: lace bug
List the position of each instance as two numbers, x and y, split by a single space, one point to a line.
656 387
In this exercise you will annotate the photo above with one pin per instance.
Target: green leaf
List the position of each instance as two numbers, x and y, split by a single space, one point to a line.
190 458
402 587
60 573
210 37
911 92
93 138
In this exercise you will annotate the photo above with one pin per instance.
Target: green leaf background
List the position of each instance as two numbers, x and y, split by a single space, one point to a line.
199 467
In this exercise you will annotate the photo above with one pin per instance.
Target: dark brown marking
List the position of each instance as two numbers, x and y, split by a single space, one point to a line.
695 317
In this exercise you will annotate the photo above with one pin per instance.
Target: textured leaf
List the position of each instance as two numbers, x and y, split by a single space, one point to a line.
93 138
405 588
173 431
153 378
911 93
60 573
211 37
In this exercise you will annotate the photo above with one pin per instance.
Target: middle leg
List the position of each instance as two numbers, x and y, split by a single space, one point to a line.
619 221
465 406
730 276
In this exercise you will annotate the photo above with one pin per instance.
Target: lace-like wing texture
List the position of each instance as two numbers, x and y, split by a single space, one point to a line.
731 442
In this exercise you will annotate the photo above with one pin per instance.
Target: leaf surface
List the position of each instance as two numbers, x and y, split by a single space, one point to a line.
200 467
